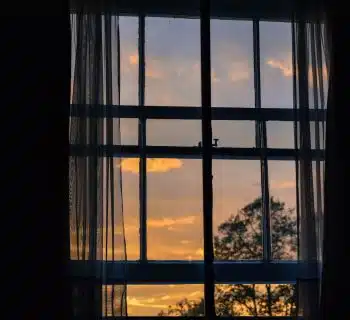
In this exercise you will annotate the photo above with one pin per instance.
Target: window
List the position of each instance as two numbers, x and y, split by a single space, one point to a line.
253 159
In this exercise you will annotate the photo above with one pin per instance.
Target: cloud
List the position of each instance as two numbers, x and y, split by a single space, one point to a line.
282 184
165 298
185 241
284 66
169 222
134 59
239 71
132 301
195 293
153 164
154 69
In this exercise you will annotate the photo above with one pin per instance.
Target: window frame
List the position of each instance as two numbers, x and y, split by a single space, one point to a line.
184 272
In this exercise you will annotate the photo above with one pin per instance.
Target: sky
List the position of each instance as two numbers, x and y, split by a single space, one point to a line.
174 186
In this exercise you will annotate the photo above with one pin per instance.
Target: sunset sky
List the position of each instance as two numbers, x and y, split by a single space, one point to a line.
174 186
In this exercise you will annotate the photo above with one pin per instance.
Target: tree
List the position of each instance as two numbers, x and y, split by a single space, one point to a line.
240 238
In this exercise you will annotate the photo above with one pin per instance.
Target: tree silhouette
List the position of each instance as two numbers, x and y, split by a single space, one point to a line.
240 238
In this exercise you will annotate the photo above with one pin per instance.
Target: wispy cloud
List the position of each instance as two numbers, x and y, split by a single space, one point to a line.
165 298
153 164
285 66
169 222
132 301
239 71
195 293
282 184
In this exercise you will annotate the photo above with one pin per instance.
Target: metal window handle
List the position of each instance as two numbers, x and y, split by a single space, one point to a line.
215 144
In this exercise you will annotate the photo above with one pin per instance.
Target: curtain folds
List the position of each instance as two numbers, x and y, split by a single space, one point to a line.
96 206
311 73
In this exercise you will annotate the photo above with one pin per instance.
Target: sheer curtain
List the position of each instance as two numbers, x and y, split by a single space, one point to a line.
311 70
96 207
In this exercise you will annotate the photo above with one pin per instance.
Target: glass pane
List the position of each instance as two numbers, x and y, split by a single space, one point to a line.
255 299
237 210
174 209
236 134
164 300
280 134
130 183
276 65
128 132
172 70
283 209
174 132
129 60
232 63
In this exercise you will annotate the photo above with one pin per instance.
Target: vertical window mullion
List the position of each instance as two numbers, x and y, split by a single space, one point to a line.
207 159
142 142
261 142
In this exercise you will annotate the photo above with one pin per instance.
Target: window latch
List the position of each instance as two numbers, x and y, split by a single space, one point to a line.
215 144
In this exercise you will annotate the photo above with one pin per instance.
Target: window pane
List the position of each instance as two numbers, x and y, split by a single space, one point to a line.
255 299
174 209
172 70
187 133
130 183
128 27
236 134
283 209
276 65
164 300
232 63
128 131
237 209
280 134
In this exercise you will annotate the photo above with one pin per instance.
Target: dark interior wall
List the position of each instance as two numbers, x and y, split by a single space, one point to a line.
35 74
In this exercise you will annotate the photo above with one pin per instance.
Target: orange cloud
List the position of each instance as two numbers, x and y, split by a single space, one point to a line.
195 293
134 59
282 184
132 301
154 74
153 164
168 222
284 66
